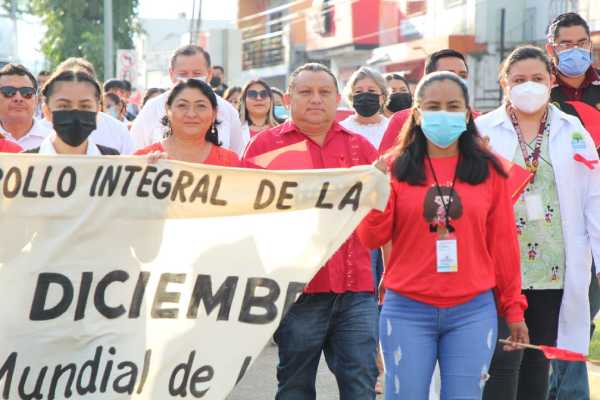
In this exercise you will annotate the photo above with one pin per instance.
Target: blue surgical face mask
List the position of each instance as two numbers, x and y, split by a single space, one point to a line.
574 62
443 128
280 112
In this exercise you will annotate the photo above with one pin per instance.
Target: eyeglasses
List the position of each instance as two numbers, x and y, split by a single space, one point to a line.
255 94
11 91
582 44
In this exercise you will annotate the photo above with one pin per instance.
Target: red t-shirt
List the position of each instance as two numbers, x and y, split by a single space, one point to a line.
6 146
488 248
349 269
217 155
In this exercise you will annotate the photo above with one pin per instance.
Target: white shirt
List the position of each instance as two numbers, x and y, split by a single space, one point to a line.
109 132
148 128
46 147
578 189
372 132
32 139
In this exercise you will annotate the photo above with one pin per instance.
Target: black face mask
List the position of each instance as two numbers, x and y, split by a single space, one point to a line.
215 81
366 104
73 126
399 101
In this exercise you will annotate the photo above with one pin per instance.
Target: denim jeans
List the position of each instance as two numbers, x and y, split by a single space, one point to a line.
569 380
344 328
523 375
415 335
376 268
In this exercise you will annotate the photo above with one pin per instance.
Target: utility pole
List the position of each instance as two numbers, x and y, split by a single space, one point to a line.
13 16
191 41
198 21
108 40
502 42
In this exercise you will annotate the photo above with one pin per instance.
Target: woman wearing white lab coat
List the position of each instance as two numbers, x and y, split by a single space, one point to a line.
558 218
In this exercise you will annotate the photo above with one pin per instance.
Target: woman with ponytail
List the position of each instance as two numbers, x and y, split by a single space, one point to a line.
192 134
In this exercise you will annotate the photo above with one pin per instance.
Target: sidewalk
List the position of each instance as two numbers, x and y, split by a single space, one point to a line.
594 374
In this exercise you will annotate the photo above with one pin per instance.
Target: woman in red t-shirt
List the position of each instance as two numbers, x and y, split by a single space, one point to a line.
450 220
193 134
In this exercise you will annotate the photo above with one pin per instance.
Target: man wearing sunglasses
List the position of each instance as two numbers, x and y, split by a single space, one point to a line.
18 101
577 92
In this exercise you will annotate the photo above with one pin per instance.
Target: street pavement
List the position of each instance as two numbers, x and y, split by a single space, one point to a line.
260 382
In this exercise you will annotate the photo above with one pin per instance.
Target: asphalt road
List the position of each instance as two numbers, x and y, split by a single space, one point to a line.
260 382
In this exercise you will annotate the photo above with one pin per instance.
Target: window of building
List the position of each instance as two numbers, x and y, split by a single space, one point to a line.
415 7
328 16
452 3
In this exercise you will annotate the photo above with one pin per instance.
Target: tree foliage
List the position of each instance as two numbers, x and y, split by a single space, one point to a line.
75 28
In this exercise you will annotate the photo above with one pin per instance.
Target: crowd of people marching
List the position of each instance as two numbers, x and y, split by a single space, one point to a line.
454 260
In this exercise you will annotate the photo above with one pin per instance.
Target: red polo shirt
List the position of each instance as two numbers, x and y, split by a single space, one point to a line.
7 146
393 129
349 269
591 76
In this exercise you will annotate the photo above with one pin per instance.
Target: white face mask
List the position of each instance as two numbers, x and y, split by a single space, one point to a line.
198 78
529 96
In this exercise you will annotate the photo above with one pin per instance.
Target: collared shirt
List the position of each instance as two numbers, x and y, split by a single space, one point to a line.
109 132
32 139
148 127
46 147
591 78
349 269
7 146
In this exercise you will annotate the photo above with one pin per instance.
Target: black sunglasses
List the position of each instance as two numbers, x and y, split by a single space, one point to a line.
11 91
255 94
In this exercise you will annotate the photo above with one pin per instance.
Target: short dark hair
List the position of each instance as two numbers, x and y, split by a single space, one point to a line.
189 50
212 135
219 68
115 99
114 84
312 67
127 84
394 76
475 159
432 60
524 53
18 69
70 75
564 21
151 92
44 72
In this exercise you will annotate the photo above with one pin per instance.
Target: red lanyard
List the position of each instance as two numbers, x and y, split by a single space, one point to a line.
532 161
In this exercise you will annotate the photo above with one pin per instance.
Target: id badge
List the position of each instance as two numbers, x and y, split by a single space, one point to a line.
534 206
446 254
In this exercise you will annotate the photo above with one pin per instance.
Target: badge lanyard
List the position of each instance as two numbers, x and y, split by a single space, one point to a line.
446 247
532 161
447 206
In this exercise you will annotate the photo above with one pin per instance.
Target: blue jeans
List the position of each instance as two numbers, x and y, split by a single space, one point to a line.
415 335
344 328
569 380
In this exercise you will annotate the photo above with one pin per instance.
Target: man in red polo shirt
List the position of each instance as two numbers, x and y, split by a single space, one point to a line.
337 314
442 60
6 146
576 92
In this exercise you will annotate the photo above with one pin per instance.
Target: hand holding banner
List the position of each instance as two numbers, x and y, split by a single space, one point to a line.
123 280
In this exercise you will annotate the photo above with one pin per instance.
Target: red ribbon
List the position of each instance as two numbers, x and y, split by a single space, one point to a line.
588 163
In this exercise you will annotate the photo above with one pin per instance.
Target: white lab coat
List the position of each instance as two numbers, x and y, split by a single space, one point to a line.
148 128
578 190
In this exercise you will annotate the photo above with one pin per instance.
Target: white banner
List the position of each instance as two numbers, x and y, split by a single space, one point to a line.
123 280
